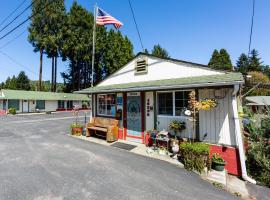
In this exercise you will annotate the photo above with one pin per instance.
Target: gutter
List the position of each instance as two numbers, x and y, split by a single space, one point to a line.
238 135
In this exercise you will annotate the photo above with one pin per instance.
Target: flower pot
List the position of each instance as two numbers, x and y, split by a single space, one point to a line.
77 131
218 166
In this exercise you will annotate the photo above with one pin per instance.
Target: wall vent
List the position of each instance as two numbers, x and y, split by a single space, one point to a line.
141 66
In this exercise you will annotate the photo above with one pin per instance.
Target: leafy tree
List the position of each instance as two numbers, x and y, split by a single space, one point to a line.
160 52
220 60
22 81
256 78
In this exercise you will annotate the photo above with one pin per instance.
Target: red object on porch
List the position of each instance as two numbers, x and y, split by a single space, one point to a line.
230 155
120 134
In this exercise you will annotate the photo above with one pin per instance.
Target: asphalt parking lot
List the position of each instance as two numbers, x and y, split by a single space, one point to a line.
40 161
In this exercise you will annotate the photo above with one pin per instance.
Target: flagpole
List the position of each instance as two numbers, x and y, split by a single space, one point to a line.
94 41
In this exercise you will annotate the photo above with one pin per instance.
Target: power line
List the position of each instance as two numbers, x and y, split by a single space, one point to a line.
23 22
10 41
4 20
21 13
20 65
251 27
133 15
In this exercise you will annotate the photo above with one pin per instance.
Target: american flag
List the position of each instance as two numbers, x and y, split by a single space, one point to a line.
104 18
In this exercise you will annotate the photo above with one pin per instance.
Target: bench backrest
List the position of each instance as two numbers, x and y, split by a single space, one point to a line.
104 122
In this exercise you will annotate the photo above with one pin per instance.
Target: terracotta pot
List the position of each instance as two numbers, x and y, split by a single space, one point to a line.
77 131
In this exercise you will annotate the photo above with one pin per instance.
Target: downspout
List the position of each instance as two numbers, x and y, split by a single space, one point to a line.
238 136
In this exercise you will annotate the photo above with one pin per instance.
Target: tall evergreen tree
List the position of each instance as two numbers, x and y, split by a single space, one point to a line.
242 63
255 63
113 50
55 15
225 60
220 60
45 31
22 82
37 32
160 52
214 60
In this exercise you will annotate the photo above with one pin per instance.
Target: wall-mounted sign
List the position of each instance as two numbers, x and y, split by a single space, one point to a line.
119 101
129 94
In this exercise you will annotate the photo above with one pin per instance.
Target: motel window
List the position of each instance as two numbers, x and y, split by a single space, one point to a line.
14 103
69 104
61 104
165 103
106 104
181 102
40 104
172 103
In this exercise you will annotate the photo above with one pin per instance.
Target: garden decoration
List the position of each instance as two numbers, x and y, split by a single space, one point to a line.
176 126
218 162
195 106
76 129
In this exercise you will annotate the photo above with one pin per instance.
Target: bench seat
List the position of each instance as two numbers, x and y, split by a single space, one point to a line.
107 126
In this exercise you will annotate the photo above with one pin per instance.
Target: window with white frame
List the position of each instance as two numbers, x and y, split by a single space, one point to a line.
172 103
106 104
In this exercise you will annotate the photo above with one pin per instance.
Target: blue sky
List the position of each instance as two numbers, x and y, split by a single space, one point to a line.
189 29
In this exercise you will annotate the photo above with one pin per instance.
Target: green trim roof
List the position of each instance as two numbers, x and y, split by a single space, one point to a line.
229 78
34 95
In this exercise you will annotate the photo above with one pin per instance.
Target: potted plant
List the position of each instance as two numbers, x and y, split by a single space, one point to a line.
218 163
177 126
76 129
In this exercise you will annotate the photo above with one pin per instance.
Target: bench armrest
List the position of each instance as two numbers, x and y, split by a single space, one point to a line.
90 124
112 134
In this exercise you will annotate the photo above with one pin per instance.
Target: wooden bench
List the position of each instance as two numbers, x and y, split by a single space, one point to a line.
104 127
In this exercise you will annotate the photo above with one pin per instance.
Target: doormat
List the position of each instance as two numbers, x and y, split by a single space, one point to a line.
125 146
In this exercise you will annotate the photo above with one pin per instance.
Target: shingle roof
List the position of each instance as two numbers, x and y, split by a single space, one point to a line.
34 95
258 100
228 78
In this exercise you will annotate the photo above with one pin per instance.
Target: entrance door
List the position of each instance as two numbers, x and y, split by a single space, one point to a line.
4 104
25 106
134 121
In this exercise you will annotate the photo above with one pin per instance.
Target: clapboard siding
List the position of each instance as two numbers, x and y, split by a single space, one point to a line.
217 124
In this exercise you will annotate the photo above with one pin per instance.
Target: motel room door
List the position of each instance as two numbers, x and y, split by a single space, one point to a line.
134 117
25 106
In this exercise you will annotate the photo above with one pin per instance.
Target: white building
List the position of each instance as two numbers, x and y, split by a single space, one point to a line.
150 92
31 101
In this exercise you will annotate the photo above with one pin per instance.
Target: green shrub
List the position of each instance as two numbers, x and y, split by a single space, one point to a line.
12 111
195 156
258 154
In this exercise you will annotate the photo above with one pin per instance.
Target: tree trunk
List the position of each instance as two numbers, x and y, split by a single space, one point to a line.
55 73
40 69
52 82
